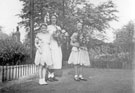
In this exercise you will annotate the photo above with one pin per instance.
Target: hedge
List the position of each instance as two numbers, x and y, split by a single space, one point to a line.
13 53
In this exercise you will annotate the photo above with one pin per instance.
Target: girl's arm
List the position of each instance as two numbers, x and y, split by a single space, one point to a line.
74 41
36 42
74 44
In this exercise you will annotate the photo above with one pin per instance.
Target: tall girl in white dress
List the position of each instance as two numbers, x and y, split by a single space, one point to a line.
79 55
43 56
55 49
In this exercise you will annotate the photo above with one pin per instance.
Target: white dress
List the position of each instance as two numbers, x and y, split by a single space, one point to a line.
43 54
55 49
84 56
79 54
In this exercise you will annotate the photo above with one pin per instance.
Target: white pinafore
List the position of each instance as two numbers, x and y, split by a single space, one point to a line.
45 56
55 48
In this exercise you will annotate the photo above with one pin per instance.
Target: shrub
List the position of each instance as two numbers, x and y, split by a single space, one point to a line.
12 52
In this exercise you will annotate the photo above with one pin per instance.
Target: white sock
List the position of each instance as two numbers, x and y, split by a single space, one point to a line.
52 75
49 74
42 81
76 76
80 76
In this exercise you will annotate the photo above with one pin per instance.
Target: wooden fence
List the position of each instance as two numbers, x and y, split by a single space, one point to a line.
15 72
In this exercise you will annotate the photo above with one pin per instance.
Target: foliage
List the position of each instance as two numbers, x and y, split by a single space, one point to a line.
12 53
97 17
125 34
41 7
1 28
124 39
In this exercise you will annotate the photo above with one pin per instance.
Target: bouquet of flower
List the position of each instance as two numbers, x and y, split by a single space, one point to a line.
60 36
83 39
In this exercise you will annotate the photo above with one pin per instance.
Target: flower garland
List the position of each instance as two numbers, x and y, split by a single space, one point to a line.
83 39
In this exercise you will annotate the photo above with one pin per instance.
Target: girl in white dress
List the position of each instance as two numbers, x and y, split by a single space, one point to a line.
43 56
55 49
79 55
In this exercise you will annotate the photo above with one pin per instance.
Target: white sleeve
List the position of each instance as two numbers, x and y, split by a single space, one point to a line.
36 42
50 29
58 27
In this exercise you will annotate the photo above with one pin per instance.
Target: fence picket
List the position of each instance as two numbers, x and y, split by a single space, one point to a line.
18 71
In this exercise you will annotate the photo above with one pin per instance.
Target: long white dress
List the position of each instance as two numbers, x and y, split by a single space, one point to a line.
55 48
38 50
43 54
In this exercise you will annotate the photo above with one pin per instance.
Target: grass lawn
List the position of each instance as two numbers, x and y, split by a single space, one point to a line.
99 81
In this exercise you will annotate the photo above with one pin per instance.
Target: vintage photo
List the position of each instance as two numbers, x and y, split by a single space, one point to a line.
67 46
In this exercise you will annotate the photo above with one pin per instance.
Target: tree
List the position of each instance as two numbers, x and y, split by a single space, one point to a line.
125 34
124 39
97 17
41 7
0 28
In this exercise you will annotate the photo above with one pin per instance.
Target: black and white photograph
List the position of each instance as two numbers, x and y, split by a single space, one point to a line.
67 46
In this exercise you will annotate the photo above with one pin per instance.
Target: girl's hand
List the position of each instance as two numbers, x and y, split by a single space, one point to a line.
39 50
63 31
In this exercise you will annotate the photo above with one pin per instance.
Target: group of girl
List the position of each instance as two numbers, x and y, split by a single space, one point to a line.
49 54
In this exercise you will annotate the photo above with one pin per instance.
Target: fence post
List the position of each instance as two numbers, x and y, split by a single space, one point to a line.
6 73
27 70
3 74
16 71
9 72
0 74
13 74
34 68
23 70
31 68
20 70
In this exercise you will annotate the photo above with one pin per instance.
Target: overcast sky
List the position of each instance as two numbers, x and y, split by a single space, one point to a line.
10 8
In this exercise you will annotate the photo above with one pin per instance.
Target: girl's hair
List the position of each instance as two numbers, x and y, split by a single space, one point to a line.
43 24
54 14
55 17
79 21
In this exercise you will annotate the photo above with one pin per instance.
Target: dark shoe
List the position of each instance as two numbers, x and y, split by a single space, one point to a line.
76 79
83 79
46 79
54 79
50 79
